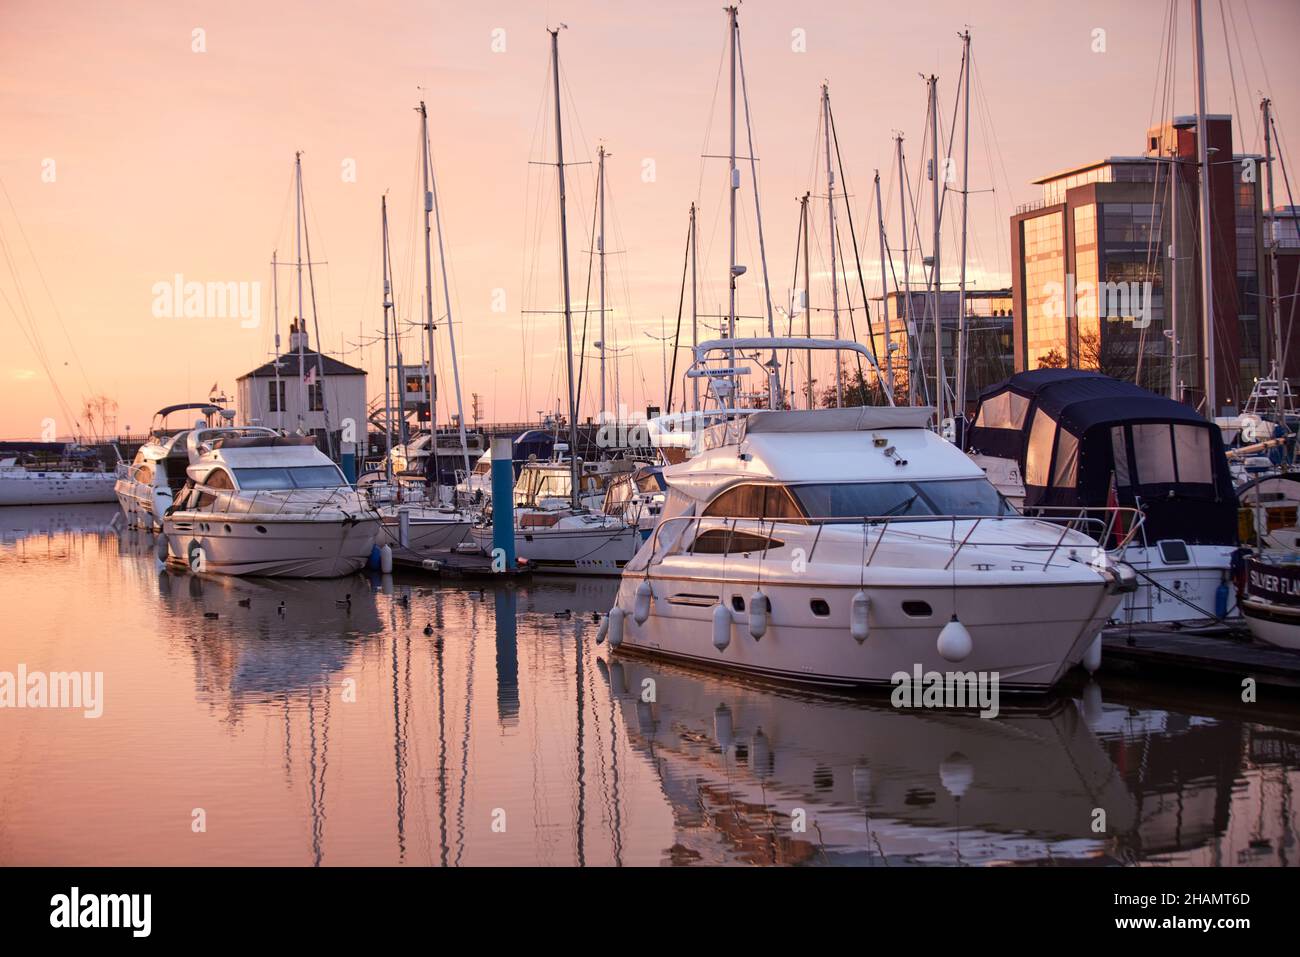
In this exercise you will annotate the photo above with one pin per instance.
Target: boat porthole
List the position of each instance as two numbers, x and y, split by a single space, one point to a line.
227 529
261 528
917 609
820 608
738 602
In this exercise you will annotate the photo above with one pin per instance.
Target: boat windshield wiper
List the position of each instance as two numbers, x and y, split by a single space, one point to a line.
900 507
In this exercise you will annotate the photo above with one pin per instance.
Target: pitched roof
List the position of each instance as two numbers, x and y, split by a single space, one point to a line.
289 366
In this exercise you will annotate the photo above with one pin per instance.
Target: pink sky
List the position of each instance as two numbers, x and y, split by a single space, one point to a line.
172 161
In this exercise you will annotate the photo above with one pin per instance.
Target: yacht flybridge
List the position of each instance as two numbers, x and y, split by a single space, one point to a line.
146 485
261 503
842 546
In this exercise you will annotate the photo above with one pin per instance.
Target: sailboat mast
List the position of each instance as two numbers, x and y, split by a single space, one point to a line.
959 406
830 215
446 299
807 293
564 270
695 316
907 275
600 249
733 186
388 388
939 384
302 361
1270 240
275 309
428 294
884 292
1207 232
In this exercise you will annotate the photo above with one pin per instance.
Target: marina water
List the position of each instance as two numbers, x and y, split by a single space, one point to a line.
274 721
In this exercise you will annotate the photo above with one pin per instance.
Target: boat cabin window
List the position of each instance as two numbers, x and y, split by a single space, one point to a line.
1038 456
1163 454
219 478
872 500
300 476
755 501
1005 411
725 541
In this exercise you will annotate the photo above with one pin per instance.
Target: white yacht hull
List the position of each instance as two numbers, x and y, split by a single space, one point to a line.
425 538
1185 593
23 487
270 545
571 551
1031 635
1275 624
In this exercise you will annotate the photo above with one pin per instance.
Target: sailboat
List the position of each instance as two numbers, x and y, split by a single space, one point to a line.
569 538
415 530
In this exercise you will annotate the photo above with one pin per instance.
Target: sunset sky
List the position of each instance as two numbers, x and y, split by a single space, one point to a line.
129 157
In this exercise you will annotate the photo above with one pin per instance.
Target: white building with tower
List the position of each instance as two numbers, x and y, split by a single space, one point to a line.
307 390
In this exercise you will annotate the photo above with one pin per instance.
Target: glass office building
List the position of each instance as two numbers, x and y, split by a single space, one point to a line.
1106 267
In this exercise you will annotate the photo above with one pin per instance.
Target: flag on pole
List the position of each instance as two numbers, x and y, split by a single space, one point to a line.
311 378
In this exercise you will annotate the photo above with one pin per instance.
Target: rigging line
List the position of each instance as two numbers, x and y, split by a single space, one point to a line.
586 306
853 236
1245 73
677 335
45 285
753 165
1295 291
1232 75
315 322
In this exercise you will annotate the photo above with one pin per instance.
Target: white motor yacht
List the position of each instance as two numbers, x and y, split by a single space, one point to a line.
843 546
63 484
145 486
260 503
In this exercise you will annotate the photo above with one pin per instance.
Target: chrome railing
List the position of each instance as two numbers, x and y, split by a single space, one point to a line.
1099 525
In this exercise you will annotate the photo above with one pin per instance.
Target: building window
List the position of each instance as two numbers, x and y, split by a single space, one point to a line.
316 397
275 395
1045 320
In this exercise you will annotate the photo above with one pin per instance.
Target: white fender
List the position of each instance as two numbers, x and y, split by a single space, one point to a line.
1092 657
615 626
859 617
954 641
641 605
603 630
721 626
386 560
760 608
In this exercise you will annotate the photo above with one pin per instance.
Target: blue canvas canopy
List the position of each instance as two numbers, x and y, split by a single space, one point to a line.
1076 434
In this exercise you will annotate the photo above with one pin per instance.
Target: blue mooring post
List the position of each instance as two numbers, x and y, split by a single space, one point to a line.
348 461
503 501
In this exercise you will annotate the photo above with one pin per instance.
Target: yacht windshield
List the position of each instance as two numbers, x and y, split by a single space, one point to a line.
302 476
857 500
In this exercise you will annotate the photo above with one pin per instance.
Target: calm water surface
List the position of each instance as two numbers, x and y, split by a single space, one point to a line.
335 735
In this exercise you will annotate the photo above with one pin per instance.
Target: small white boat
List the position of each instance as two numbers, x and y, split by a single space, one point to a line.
259 504
1269 598
33 485
1059 438
558 531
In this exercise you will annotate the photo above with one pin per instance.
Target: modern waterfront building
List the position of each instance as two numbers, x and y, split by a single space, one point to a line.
1106 267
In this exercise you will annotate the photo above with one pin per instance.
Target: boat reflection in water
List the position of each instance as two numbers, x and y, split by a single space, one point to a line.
397 719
